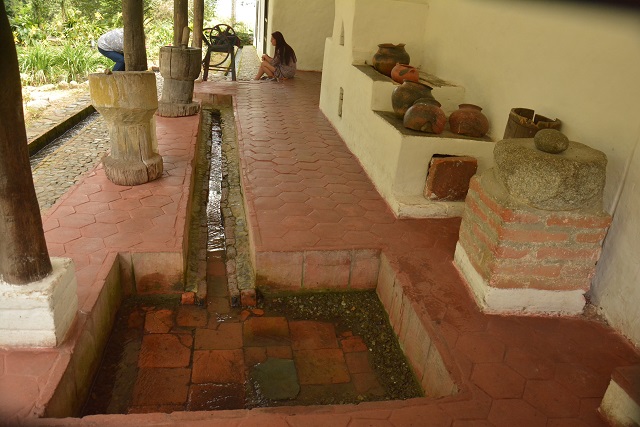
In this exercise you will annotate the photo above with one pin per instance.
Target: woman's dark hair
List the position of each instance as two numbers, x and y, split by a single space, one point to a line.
284 52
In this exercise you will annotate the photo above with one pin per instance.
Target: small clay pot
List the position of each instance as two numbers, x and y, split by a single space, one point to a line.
406 94
425 116
388 55
468 120
402 72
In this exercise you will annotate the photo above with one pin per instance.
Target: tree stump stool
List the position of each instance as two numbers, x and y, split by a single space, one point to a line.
179 66
128 101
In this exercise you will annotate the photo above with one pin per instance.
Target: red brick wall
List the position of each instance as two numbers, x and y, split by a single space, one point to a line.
528 247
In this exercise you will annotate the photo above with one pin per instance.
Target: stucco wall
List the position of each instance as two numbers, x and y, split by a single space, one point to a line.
305 25
569 60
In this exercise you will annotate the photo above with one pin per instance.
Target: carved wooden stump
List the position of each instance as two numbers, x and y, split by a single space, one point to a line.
179 66
128 101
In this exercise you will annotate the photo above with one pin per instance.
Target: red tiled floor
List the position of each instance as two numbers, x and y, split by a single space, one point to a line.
321 366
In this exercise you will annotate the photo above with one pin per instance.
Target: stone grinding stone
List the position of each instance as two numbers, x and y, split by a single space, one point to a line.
568 180
551 141
276 379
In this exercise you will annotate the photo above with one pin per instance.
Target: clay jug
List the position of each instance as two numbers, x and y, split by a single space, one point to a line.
425 115
388 55
468 120
402 72
406 94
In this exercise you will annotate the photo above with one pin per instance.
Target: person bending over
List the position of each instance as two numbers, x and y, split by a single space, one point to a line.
111 45
283 64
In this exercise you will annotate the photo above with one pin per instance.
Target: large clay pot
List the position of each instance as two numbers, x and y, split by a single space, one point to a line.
406 94
402 72
388 55
468 120
425 116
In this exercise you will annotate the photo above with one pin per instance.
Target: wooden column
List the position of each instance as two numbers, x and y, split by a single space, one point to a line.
198 22
135 53
23 250
180 19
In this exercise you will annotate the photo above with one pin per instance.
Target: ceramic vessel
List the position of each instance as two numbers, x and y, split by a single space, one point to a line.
406 94
425 115
388 55
402 72
468 120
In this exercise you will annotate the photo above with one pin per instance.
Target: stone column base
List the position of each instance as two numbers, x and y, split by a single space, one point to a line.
516 301
39 314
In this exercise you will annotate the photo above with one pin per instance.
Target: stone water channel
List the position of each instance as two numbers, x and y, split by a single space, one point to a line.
163 356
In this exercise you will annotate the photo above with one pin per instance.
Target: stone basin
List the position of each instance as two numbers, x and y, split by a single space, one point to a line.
568 180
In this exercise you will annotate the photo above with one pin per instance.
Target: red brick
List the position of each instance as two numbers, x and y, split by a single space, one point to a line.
479 213
310 335
163 351
324 366
502 251
351 344
218 366
448 177
554 284
568 254
358 362
254 355
153 409
161 386
280 352
248 298
188 298
516 268
579 221
532 236
367 383
511 216
591 237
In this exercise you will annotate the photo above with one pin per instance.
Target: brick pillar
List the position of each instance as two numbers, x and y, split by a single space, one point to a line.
517 258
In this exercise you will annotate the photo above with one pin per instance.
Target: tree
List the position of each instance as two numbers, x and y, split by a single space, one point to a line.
135 53
23 251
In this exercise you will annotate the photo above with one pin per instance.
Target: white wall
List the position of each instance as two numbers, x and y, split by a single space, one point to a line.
305 25
569 60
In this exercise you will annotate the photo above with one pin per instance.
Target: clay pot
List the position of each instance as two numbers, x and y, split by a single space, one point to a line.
388 55
402 72
468 120
425 116
406 94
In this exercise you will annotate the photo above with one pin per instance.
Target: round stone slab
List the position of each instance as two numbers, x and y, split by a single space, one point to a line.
568 180
276 379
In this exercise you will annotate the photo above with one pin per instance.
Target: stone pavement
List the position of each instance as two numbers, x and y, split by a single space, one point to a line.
316 220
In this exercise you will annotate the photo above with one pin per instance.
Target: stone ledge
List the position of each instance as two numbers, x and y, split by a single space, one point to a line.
621 403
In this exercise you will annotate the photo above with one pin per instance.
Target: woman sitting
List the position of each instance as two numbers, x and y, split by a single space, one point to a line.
283 64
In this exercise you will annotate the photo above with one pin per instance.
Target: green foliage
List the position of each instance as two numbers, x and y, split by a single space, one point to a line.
245 34
40 64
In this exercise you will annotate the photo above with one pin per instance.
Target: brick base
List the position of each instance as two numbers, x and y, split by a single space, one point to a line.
518 258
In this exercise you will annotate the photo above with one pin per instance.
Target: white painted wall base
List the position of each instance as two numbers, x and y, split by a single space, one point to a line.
618 407
39 314
516 301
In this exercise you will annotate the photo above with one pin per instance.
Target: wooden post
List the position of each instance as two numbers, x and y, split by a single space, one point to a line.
198 23
180 19
135 53
23 250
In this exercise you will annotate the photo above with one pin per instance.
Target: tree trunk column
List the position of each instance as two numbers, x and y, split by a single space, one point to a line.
179 66
128 101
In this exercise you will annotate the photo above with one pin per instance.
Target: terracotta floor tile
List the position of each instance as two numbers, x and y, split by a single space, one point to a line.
498 380
191 316
161 386
515 412
280 352
266 331
358 362
218 366
310 335
552 399
228 336
215 397
254 355
323 366
164 351
159 321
